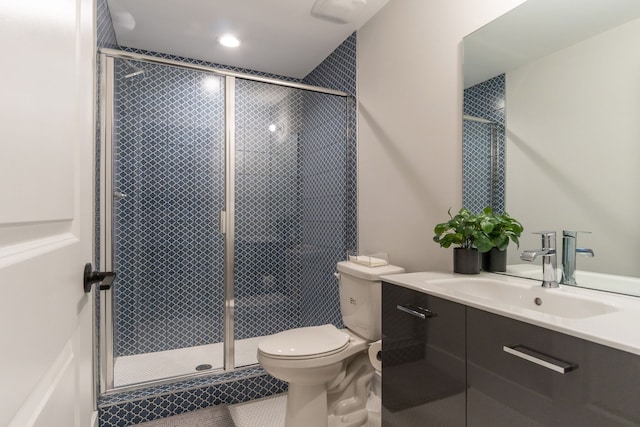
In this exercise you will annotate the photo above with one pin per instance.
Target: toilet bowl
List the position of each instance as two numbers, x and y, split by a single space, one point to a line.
327 368
310 359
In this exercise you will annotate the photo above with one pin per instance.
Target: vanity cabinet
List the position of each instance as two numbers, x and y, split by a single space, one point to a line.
525 375
423 347
447 364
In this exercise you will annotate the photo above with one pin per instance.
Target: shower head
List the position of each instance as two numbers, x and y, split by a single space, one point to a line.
135 71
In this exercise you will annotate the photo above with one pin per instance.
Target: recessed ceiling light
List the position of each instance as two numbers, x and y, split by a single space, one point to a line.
229 40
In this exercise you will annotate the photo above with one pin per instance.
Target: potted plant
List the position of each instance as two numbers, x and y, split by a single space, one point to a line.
469 232
501 229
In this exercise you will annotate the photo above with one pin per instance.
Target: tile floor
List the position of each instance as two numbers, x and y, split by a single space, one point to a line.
270 412
266 412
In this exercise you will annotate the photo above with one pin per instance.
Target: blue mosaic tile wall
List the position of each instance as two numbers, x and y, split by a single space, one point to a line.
338 70
267 208
287 245
324 163
168 162
329 188
484 100
105 35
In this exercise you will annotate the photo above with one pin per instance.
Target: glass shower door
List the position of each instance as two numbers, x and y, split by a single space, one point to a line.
168 178
290 224
268 213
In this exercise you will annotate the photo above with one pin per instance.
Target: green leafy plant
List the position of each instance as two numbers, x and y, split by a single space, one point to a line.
465 230
500 228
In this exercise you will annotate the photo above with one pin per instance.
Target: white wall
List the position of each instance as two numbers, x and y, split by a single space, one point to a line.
573 147
409 124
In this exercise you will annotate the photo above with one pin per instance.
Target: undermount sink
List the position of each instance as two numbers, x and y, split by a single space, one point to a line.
560 302
600 317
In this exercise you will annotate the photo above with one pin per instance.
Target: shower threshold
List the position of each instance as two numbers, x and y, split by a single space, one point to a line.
141 368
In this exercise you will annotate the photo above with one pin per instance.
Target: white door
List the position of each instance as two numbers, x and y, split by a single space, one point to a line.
46 180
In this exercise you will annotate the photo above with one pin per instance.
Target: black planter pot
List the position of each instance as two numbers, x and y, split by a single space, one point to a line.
466 261
494 260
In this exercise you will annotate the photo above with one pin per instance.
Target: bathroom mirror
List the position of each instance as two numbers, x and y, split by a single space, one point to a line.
571 73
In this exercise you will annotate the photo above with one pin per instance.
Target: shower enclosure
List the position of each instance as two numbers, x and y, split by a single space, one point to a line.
224 207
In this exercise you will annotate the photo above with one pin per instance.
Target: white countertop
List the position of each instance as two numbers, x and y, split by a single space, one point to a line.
619 329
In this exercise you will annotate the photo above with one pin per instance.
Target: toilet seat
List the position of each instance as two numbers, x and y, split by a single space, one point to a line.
305 343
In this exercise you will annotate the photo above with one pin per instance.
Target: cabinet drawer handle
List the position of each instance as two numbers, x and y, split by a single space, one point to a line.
541 359
414 310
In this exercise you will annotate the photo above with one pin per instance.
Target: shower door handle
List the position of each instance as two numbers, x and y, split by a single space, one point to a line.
103 279
223 222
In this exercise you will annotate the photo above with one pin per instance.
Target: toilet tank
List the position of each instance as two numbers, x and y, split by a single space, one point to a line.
361 297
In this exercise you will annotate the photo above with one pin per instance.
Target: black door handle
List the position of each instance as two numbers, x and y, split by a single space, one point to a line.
104 280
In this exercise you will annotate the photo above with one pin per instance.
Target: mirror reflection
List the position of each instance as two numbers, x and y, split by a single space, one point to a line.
552 131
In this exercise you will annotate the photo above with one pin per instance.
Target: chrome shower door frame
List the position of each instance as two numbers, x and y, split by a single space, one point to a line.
229 223
105 352
106 359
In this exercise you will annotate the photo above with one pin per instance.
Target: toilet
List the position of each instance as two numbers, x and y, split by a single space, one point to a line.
328 369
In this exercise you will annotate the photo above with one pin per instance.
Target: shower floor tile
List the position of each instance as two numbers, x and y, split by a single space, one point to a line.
141 368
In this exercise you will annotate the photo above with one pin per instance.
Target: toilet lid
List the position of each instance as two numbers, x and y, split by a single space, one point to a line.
305 342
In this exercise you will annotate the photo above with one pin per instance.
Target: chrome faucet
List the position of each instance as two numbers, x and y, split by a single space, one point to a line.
549 258
569 252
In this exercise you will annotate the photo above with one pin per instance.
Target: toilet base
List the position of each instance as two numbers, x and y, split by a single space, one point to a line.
354 419
306 406
347 400
341 403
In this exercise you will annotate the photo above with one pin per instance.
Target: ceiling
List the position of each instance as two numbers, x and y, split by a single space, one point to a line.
277 36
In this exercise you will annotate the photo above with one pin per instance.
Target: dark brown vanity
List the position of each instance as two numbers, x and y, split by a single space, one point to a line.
449 364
